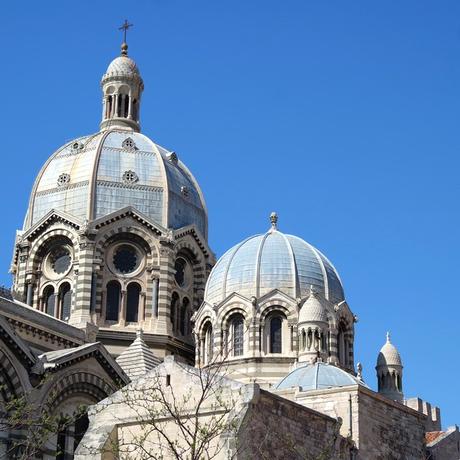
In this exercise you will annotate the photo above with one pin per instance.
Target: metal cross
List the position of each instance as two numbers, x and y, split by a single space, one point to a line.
124 28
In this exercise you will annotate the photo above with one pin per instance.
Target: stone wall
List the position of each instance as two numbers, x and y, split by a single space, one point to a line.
389 430
382 429
277 428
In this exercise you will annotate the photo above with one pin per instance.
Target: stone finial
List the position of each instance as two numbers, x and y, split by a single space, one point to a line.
139 333
274 220
388 337
359 367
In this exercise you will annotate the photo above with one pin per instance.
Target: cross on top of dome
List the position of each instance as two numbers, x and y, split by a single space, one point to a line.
124 46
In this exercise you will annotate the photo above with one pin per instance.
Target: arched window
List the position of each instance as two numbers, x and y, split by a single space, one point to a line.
49 300
342 345
135 109
108 113
113 301
126 105
237 331
173 312
276 334
132 302
183 317
65 300
207 343
119 98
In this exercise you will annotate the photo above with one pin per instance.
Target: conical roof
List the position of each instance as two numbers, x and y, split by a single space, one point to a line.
313 310
137 359
389 355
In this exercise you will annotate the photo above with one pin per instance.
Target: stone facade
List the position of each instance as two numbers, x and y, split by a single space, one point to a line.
248 414
55 367
380 428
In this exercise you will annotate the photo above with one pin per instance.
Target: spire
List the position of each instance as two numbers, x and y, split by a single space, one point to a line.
274 220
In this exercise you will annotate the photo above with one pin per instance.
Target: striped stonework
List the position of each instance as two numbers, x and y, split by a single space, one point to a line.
257 361
10 383
93 245
92 386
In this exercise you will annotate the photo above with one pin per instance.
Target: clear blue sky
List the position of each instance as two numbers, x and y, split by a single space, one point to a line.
341 116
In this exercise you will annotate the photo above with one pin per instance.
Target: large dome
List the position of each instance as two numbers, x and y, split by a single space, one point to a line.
270 261
93 176
318 376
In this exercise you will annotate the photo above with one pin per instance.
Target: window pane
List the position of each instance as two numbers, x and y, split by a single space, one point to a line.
238 336
132 303
113 301
275 335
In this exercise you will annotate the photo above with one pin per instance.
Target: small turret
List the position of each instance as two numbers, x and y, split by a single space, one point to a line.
389 371
122 87
313 329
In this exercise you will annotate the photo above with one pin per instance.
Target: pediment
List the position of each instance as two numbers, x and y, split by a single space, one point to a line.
129 212
232 298
276 294
193 231
55 360
49 219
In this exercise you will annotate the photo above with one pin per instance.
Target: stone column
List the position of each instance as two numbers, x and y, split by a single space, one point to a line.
155 282
141 312
30 291
83 270
166 281
122 314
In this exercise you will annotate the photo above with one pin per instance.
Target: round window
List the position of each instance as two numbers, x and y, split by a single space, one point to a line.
58 262
125 259
183 270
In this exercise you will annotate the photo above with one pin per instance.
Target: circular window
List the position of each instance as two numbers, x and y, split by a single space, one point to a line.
125 259
58 262
183 272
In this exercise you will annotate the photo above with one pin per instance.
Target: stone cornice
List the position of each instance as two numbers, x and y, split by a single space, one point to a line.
27 320
128 211
194 232
47 220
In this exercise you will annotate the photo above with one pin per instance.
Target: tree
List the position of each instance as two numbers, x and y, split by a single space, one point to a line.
187 413
31 426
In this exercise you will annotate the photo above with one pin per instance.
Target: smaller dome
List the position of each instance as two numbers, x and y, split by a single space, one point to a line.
318 376
313 310
389 355
122 65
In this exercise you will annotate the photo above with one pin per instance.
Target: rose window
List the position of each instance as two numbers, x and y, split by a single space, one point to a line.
125 259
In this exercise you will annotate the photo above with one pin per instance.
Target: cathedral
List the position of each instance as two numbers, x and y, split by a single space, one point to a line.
115 286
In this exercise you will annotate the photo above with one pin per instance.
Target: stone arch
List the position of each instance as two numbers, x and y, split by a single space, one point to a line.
40 245
188 249
105 239
265 309
77 382
10 382
231 309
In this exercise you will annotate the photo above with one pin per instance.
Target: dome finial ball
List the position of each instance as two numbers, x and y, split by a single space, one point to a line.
274 220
